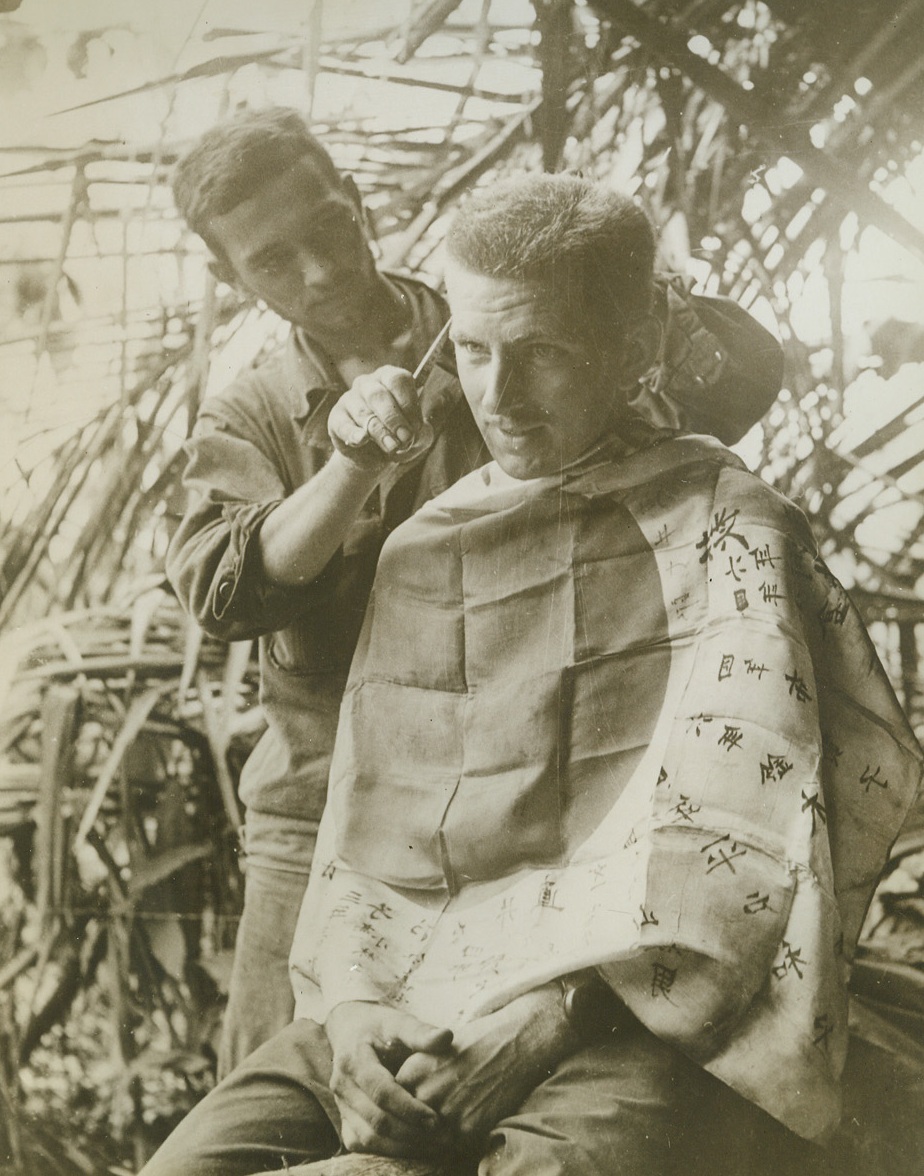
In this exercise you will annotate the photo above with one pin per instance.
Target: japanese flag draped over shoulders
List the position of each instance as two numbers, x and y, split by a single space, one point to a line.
622 718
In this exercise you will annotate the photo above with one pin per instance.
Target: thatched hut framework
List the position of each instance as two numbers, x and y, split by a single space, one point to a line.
779 147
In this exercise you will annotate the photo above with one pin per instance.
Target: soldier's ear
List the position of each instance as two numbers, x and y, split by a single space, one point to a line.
222 271
349 186
640 350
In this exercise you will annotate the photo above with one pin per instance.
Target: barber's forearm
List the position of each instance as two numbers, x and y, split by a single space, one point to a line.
299 537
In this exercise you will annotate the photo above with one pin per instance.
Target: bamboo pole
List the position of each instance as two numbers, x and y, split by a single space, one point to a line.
453 181
68 220
430 21
779 132
333 66
135 719
201 350
834 273
908 652
28 552
908 17
311 53
553 19
218 743
59 722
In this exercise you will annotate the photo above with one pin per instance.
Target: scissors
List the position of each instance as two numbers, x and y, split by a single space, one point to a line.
424 439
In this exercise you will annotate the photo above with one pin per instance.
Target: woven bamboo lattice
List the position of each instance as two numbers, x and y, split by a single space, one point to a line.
767 140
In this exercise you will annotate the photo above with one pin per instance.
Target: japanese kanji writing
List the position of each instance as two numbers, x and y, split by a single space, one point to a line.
378 943
815 806
757 902
412 965
684 809
547 895
720 530
775 768
680 604
832 750
763 558
697 721
731 737
726 665
351 899
797 687
662 979
872 777
723 856
790 961
834 612
506 913
823 1030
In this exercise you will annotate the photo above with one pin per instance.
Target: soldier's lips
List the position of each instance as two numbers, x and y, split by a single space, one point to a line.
513 431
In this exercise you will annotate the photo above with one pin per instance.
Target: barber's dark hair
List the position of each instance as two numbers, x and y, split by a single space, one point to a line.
234 158
594 247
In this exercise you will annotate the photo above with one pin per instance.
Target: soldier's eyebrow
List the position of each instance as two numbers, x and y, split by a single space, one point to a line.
269 252
327 214
528 339
459 336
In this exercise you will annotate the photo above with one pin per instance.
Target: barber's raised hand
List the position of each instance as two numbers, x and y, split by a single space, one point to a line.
369 1042
378 421
492 1065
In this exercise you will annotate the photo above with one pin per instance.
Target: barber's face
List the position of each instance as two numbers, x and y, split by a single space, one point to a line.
298 244
540 393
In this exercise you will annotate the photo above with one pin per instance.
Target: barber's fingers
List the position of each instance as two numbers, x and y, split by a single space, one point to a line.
381 407
345 432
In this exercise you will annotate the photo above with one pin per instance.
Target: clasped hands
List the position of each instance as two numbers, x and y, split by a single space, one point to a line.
408 1089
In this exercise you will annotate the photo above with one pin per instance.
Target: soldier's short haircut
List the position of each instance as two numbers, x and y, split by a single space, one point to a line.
593 247
236 157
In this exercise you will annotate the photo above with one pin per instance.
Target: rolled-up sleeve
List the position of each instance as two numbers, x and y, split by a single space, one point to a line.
214 561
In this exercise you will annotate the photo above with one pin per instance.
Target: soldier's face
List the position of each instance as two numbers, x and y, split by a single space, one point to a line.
298 244
540 391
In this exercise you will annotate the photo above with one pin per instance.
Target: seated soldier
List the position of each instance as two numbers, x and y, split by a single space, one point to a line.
616 771
281 537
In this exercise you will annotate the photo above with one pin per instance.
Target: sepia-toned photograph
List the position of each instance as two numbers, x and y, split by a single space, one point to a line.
461 587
